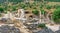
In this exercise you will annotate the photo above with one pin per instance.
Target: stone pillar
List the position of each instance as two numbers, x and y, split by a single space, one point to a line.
19 13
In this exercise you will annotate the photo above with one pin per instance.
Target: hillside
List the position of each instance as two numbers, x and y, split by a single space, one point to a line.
2 1
30 16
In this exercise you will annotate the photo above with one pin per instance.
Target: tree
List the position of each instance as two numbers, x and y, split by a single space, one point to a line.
14 8
48 7
56 6
41 5
39 0
43 12
1 9
56 15
36 12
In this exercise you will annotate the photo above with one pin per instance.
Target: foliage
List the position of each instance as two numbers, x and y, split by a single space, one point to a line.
53 0
57 6
36 12
36 0
43 11
41 5
42 25
56 15
48 7
16 0
0 15
14 8
1 9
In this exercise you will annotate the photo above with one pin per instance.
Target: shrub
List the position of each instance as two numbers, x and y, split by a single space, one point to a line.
14 8
37 0
23 5
57 6
56 15
0 15
41 25
36 12
43 12
1 9
41 6
48 7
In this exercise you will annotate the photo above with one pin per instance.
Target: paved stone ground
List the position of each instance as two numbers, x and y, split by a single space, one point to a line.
9 29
